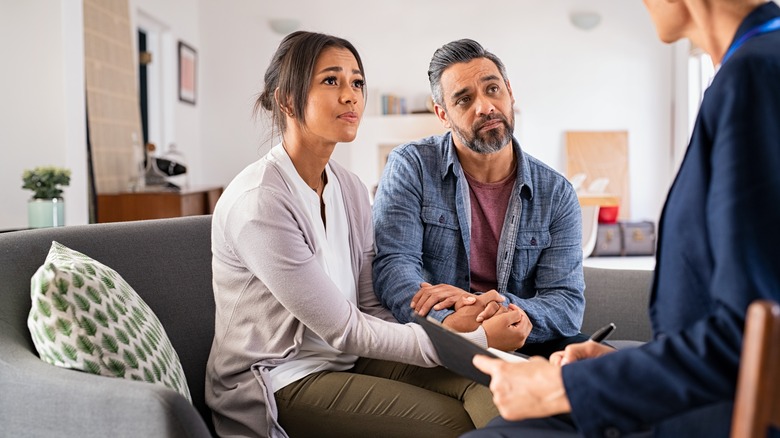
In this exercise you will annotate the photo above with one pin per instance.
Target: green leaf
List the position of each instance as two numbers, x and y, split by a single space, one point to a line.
148 376
64 326
69 351
146 347
116 367
44 287
78 281
90 268
152 341
94 295
139 316
120 307
60 303
111 313
81 302
91 367
108 282
44 308
136 377
50 333
88 325
62 285
130 329
136 325
122 336
84 344
109 343
130 359
57 357
101 317
140 352
156 370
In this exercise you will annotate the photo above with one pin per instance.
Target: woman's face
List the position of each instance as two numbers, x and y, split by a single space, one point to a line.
670 18
335 104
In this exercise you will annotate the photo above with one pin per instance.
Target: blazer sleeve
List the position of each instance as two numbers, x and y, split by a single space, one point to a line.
696 366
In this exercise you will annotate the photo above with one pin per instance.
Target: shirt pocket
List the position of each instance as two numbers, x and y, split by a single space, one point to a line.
441 233
528 248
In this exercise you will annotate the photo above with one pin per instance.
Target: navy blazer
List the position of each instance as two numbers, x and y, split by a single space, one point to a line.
718 250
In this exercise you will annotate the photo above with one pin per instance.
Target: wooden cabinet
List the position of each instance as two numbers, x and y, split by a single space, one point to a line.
156 204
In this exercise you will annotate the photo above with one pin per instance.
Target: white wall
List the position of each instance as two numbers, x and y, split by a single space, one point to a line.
42 119
617 76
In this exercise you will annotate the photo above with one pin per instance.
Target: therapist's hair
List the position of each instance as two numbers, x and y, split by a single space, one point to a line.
455 52
290 73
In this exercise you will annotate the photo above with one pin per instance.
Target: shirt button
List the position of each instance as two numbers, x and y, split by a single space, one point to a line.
441 219
533 241
611 432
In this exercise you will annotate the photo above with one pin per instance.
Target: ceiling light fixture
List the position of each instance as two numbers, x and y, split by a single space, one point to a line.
284 26
585 20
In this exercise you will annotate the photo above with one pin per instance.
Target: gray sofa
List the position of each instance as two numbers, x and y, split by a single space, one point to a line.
168 262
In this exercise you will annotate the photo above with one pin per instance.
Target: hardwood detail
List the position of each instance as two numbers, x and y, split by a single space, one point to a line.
757 402
156 204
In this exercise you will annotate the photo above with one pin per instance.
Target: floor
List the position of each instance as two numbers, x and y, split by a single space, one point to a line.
632 262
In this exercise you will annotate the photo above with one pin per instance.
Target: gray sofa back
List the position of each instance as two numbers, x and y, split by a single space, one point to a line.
620 296
168 262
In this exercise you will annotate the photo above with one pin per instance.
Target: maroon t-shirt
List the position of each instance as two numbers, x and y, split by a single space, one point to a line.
488 208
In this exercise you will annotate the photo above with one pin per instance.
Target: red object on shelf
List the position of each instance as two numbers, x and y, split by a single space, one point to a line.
608 215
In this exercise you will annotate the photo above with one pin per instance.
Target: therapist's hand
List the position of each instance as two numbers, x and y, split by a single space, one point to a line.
525 390
580 351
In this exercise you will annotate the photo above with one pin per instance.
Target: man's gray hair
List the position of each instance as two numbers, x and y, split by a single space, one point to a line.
455 52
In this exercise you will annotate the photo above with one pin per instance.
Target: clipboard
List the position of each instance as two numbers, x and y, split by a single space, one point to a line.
456 352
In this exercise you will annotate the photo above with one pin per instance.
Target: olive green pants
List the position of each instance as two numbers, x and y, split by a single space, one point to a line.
384 399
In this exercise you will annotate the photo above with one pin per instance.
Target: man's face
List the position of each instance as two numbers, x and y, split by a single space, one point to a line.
478 106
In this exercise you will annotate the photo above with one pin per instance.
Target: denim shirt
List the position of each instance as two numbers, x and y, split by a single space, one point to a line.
422 226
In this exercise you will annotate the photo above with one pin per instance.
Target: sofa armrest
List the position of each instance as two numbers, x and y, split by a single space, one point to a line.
39 399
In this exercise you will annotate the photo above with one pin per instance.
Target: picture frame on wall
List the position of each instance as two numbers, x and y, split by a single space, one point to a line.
188 66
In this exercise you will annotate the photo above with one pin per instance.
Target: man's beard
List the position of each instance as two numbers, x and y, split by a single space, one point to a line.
490 141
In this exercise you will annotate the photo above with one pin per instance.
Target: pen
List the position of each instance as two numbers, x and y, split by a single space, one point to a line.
601 334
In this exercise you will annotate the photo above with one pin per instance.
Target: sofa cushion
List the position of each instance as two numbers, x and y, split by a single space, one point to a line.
84 316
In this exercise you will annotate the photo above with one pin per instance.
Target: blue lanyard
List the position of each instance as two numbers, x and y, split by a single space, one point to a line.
770 26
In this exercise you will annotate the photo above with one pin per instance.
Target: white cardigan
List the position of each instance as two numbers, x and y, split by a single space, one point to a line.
268 285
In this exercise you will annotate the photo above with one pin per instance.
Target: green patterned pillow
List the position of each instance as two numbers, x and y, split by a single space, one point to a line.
84 316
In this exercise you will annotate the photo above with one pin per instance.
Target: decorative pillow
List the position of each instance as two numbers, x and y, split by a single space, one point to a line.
84 316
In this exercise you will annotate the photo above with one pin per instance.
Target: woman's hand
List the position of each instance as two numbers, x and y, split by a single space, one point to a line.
440 296
508 330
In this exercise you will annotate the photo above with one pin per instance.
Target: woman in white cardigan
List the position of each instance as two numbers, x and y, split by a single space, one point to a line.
302 346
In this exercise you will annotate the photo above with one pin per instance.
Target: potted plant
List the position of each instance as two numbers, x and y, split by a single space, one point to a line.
46 208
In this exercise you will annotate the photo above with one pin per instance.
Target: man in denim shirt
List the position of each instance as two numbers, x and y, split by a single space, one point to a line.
466 222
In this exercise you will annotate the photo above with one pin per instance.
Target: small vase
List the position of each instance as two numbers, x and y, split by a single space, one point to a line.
43 213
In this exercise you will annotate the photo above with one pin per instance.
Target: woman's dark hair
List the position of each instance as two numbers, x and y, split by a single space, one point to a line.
455 52
291 70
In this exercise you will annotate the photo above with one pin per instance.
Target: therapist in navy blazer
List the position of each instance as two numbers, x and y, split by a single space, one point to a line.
719 249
